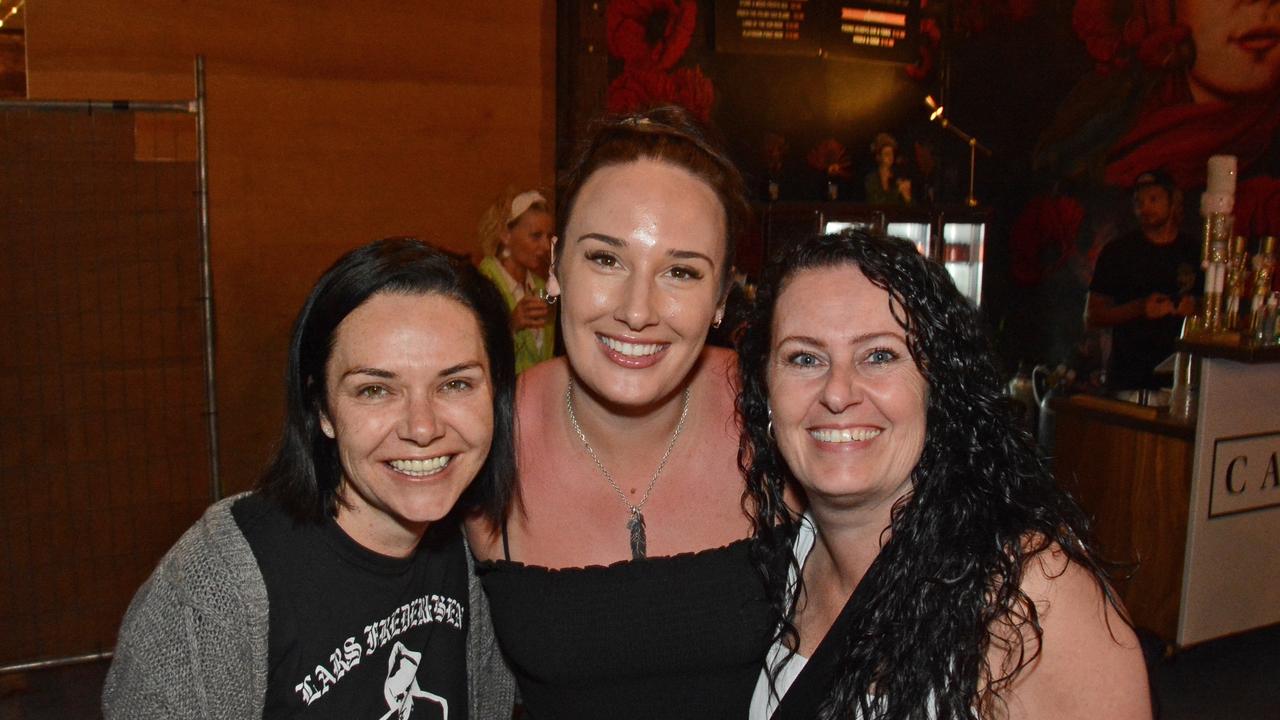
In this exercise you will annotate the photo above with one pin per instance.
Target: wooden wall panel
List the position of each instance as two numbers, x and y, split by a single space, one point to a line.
103 449
329 125
13 64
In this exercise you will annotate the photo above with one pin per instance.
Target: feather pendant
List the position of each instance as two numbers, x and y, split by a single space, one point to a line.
638 540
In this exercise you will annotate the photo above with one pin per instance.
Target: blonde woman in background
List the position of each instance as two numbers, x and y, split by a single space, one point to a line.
515 233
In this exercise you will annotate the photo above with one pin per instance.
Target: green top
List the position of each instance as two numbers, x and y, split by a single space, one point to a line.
877 195
528 352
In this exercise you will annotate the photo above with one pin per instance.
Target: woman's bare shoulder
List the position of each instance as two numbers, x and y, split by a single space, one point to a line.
536 389
541 379
1089 662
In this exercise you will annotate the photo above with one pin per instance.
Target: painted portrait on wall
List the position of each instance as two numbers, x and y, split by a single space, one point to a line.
1175 82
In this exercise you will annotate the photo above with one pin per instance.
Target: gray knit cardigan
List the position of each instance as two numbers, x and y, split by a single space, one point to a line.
193 643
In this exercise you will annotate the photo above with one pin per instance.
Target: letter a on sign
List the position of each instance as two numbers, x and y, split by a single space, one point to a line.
1246 474
1271 481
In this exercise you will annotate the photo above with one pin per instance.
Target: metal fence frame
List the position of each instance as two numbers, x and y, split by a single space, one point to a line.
194 107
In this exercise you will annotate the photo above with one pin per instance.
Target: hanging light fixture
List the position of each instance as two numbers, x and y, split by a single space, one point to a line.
5 16
937 113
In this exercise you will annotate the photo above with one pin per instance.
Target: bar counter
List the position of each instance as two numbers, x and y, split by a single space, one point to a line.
1195 504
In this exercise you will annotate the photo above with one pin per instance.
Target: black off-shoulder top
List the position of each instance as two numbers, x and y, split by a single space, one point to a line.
665 637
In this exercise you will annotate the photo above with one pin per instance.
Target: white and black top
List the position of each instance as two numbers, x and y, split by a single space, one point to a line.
356 634
803 683
764 701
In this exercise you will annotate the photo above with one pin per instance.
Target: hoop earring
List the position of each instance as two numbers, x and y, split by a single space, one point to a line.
551 299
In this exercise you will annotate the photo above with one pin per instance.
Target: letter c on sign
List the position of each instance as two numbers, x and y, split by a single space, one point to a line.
1231 468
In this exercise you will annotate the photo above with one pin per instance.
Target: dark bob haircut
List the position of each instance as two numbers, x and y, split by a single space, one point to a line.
982 503
666 134
305 473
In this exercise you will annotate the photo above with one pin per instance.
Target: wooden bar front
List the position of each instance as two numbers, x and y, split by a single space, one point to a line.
1131 470
1195 505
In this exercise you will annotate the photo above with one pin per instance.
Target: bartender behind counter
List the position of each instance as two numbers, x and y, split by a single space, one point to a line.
1144 284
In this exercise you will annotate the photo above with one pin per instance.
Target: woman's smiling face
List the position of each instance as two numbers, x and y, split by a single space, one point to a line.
640 280
848 403
410 406
1237 44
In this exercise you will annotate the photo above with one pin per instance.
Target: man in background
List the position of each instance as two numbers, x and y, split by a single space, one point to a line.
1144 285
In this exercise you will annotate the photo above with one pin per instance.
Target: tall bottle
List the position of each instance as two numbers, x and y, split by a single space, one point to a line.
1264 264
1237 274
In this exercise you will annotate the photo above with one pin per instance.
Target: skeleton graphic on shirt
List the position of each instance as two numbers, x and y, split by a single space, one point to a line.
402 691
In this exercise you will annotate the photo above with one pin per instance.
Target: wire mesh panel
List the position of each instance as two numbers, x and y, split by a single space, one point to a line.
104 454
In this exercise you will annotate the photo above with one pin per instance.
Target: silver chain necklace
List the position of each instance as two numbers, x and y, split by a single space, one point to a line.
635 524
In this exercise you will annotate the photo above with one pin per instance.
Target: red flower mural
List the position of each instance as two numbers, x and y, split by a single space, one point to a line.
650 34
930 42
1044 236
1115 32
1258 207
650 37
639 89
694 92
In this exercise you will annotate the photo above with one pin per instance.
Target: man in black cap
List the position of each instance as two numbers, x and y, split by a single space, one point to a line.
1144 284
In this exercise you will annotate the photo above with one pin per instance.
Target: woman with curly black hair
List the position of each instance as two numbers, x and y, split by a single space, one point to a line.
938 571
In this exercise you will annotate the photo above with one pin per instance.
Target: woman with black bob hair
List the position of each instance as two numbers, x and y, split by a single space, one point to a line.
343 587
938 571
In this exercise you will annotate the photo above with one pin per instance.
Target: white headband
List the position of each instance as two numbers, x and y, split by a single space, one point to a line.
524 201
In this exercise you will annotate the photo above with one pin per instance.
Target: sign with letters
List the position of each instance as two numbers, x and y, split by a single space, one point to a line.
885 30
1246 474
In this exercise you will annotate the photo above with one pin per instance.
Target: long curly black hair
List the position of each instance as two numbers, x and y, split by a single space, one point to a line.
982 504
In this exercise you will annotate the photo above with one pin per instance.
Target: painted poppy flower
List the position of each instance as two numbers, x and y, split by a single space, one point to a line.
694 92
1257 208
650 34
1043 237
638 90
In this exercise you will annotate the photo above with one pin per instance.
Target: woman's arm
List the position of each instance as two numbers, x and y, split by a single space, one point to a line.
193 643
1090 664
491 687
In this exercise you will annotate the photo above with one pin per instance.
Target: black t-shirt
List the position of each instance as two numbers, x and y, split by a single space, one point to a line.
1130 268
355 634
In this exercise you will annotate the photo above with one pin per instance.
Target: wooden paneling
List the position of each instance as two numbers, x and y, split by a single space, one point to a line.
1136 484
103 449
13 64
329 125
